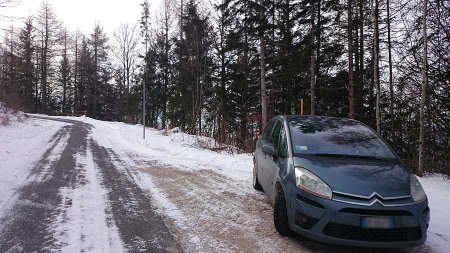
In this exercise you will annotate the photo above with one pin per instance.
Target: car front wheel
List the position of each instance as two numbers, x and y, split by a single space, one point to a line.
280 216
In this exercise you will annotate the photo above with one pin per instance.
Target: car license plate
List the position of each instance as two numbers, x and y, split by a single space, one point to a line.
377 222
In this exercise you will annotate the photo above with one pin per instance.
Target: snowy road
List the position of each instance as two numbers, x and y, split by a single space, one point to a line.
82 185
77 200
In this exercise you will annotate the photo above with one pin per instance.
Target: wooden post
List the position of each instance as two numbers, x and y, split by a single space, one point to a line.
301 106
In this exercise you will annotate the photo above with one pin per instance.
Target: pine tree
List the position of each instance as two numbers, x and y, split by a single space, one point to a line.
98 44
64 74
26 70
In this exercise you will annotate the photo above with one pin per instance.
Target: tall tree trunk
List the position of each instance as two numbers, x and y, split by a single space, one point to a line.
313 64
423 87
262 62
391 85
361 48
36 82
96 81
64 74
166 65
351 88
76 94
222 117
181 20
318 44
44 62
375 73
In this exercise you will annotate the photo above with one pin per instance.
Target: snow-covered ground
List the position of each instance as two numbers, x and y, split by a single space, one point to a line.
176 149
22 143
206 196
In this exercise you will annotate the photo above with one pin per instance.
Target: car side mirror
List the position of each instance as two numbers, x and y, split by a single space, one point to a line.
268 149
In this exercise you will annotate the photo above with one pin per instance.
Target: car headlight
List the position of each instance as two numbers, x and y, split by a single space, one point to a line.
311 183
417 191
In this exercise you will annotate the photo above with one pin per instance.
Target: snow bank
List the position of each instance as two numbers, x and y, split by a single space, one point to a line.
438 192
10 116
176 149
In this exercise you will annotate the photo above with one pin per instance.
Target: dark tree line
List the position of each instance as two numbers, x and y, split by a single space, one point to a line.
223 68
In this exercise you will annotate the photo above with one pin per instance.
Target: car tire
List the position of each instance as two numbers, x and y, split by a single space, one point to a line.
256 185
280 216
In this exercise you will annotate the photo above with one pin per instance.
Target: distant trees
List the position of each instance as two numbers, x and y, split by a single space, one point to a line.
224 69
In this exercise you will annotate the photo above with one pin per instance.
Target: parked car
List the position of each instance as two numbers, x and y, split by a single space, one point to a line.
337 181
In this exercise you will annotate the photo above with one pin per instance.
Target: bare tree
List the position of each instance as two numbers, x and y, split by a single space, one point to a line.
125 49
49 29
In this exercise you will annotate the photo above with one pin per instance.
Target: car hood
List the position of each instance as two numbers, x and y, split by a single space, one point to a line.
360 177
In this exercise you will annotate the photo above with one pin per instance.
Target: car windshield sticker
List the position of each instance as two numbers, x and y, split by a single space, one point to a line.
300 148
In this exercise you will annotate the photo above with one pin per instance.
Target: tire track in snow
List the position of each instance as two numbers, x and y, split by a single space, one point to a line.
142 229
26 227
84 222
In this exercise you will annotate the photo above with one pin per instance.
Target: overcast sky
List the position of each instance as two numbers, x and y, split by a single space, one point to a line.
82 14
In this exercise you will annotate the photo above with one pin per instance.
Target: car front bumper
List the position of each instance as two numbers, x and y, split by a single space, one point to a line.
340 223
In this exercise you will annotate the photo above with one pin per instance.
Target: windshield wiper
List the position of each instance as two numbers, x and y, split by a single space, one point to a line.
355 156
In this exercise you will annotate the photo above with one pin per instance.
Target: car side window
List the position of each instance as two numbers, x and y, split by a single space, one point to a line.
276 134
282 144
268 131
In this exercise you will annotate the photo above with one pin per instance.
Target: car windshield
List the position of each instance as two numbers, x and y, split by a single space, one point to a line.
336 137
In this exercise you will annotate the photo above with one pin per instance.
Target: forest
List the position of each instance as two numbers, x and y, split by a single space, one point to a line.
223 68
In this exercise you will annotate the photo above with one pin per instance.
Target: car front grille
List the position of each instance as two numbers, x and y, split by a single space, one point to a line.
370 200
347 232
376 212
